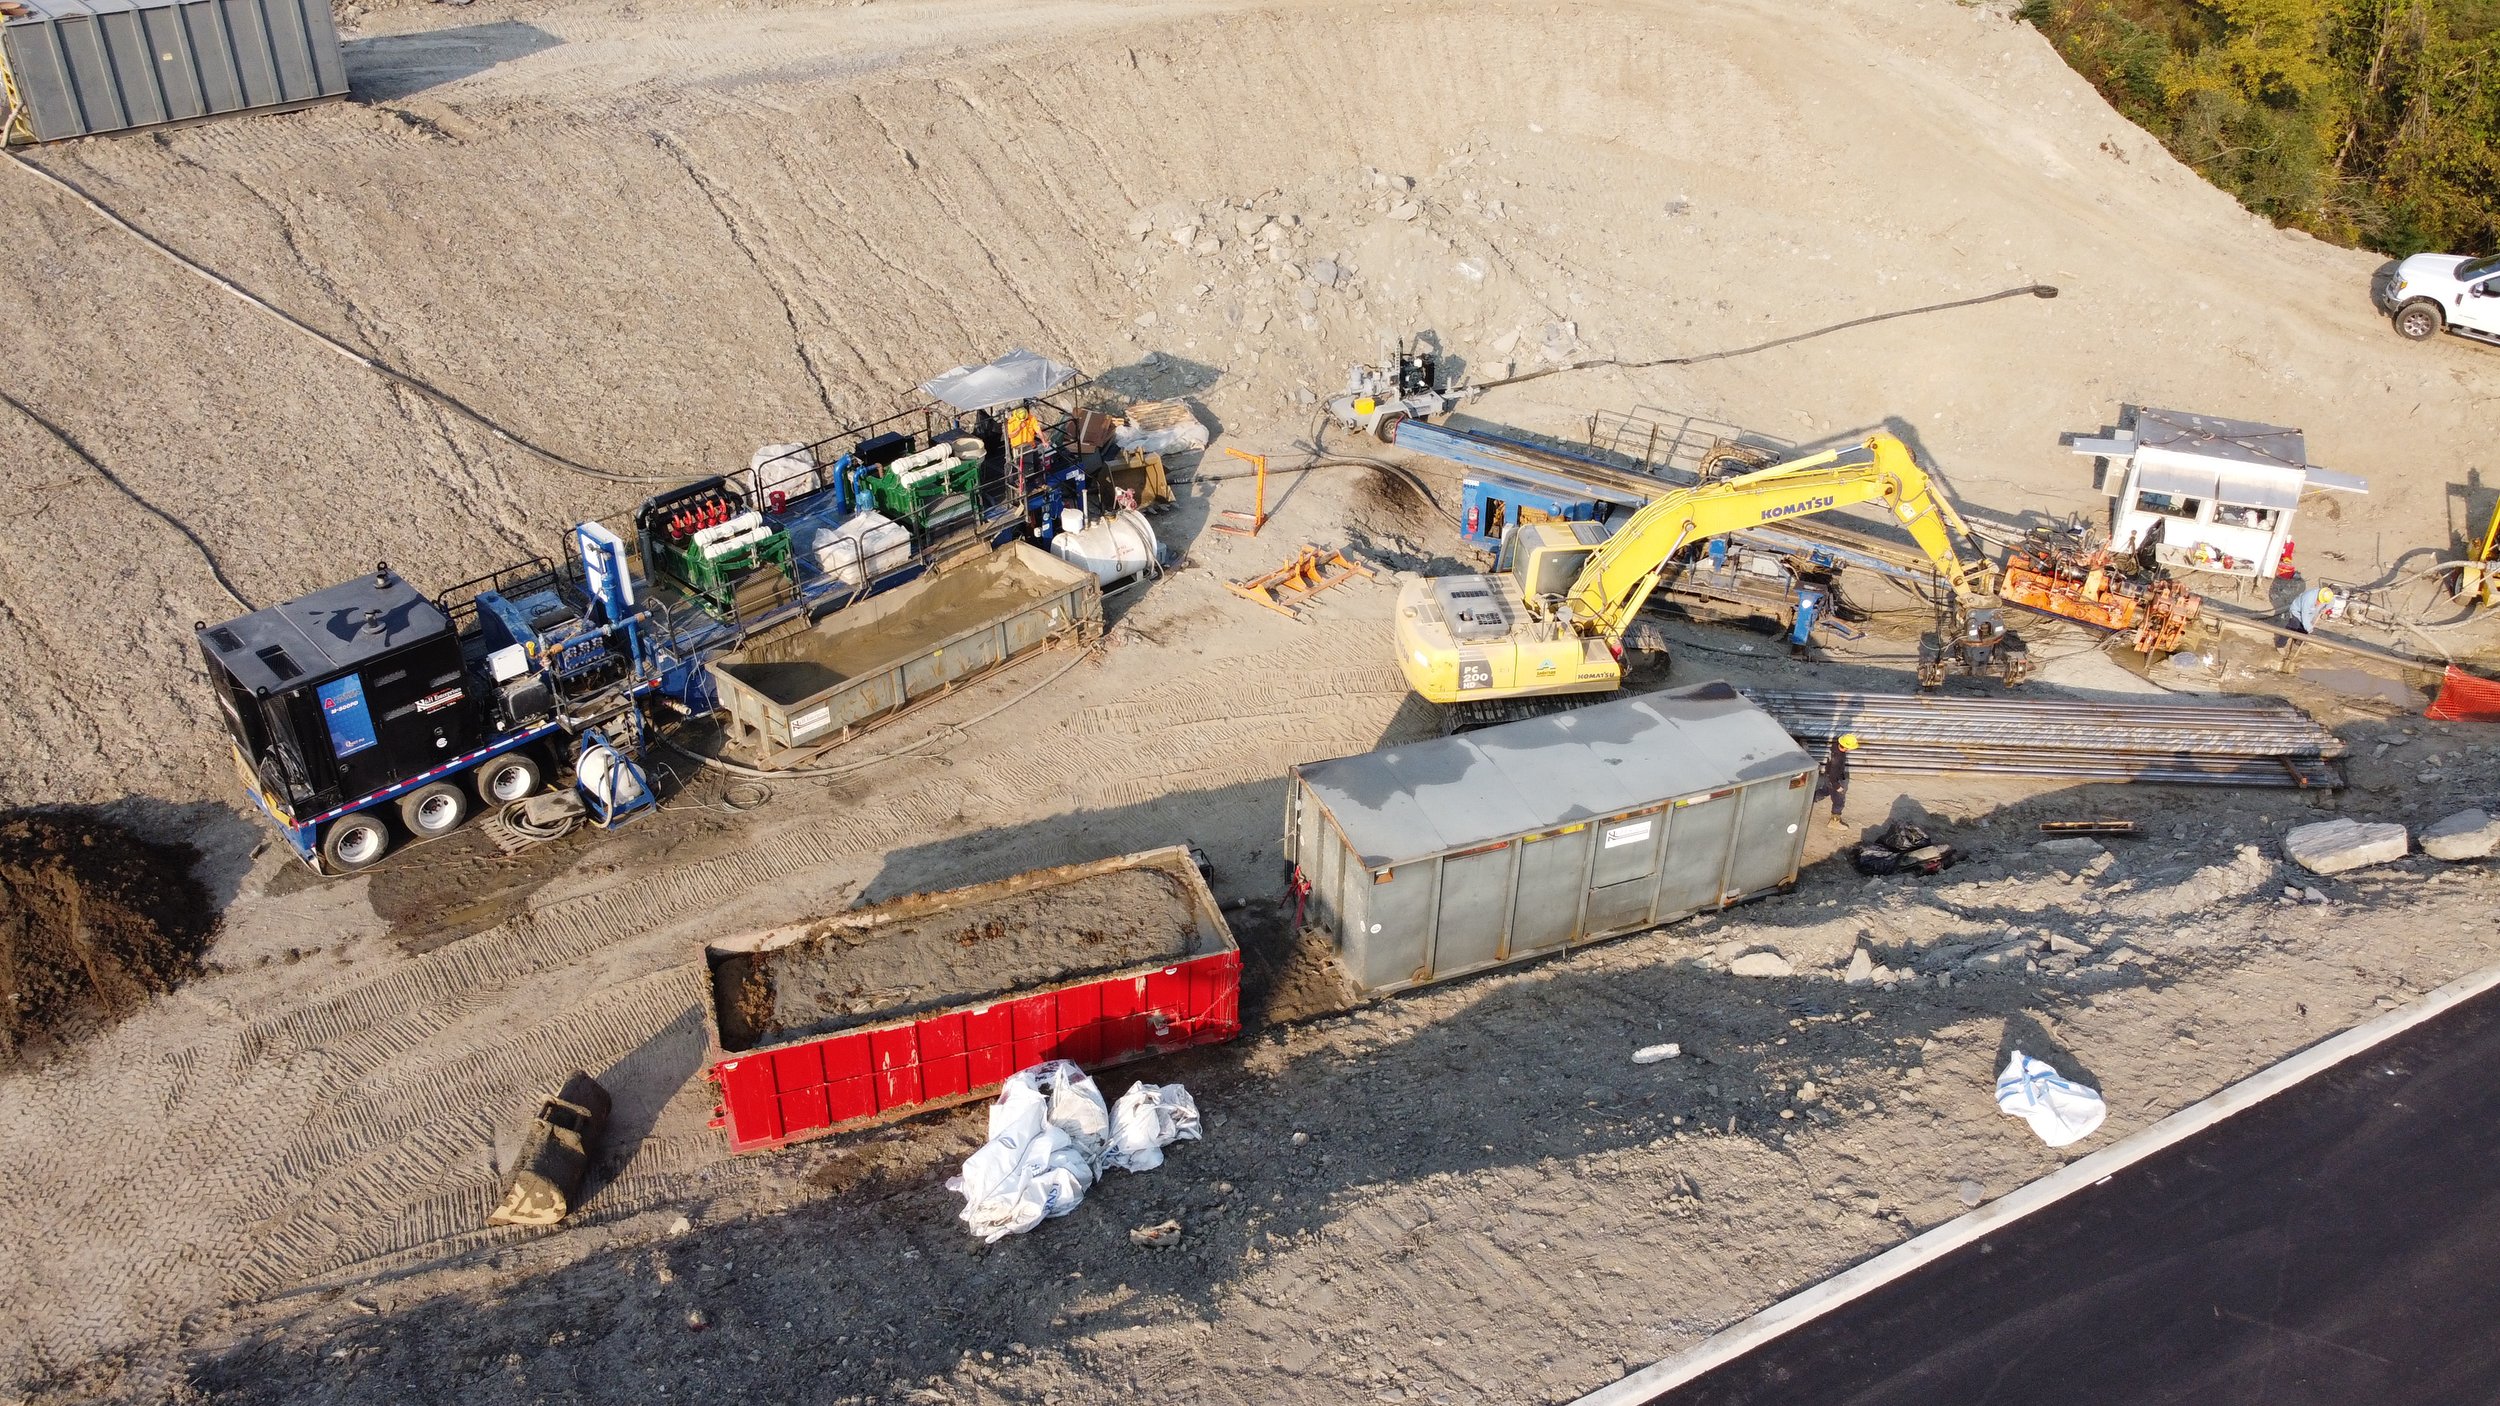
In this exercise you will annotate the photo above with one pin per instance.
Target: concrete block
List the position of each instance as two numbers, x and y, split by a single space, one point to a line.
2334 846
2468 834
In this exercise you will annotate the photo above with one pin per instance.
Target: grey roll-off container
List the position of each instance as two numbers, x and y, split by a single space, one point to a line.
790 700
83 67
1432 860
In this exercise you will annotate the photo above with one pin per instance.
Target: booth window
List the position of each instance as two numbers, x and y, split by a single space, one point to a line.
2168 504
2238 515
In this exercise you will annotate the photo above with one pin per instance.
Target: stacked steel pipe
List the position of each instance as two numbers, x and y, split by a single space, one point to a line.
2164 740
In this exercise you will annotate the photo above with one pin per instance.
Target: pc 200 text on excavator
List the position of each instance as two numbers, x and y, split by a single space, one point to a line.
1556 620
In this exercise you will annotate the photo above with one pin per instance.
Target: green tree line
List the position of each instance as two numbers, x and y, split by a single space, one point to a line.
2366 122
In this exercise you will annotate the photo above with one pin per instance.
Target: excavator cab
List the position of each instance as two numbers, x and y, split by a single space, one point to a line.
1544 559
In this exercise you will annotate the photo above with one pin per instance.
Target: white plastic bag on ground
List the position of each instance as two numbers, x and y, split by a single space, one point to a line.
1148 1118
1047 1132
2059 1110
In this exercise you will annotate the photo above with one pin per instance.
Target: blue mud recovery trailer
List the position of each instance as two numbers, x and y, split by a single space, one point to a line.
369 715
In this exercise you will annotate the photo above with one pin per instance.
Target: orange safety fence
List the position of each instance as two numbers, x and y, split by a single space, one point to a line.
2463 698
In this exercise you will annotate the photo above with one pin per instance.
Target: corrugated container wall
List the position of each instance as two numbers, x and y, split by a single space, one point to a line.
1446 857
80 67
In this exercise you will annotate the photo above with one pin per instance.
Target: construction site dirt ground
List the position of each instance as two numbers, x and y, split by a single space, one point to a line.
655 236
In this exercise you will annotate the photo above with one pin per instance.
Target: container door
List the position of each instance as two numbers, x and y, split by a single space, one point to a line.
927 673
1622 877
1323 864
134 65
855 702
1698 841
1769 834
177 72
1546 913
1475 907
1394 948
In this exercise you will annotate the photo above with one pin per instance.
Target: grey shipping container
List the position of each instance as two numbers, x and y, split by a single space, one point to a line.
793 697
1445 857
81 67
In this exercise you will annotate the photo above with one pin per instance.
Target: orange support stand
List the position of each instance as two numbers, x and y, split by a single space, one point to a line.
1257 516
1310 572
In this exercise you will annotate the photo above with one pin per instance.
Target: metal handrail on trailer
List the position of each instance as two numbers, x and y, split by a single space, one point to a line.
519 679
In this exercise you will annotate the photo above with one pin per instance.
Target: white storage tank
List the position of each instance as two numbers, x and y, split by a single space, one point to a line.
863 545
1115 549
786 469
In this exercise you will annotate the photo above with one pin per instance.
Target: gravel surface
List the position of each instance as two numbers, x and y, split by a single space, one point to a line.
654 237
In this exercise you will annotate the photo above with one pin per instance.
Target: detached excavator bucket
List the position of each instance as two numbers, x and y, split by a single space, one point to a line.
545 1183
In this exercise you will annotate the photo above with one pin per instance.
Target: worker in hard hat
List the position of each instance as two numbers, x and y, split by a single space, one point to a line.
1835 778
2310 607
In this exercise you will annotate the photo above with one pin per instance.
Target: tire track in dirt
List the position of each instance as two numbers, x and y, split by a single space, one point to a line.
735 225
795 241
294 1148
365 1150
1057 118
1011 156
341 1207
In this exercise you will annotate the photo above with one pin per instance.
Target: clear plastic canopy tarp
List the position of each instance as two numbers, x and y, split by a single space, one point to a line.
1018 376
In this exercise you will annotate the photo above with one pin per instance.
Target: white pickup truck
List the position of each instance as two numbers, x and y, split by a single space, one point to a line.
2434 291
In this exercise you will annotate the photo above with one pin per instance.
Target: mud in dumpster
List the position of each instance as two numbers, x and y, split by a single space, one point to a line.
791 699
934 999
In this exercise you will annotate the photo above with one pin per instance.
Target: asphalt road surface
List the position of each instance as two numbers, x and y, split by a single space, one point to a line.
2338 1243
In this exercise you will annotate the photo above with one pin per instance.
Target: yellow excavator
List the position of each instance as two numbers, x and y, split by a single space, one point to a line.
1555 622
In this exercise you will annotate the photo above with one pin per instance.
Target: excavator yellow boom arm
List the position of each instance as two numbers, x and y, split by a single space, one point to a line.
1621 573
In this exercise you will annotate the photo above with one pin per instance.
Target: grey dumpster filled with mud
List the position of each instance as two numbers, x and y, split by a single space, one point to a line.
790 699
1440 858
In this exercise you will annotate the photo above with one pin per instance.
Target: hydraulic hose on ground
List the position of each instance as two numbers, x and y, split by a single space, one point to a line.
2036 290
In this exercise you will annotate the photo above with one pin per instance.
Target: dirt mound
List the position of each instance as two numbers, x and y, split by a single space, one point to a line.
93 921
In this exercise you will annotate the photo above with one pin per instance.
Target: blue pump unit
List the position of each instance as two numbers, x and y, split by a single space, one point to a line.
555 637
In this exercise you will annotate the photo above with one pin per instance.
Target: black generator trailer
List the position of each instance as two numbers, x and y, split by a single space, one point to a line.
368 703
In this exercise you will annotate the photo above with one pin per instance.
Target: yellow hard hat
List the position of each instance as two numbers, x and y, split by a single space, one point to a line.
1848 742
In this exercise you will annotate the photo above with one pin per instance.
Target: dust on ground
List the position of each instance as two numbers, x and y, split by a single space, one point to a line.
865 968
93 921
776 218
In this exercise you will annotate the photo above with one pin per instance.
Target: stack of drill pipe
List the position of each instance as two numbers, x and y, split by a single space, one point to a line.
2162 740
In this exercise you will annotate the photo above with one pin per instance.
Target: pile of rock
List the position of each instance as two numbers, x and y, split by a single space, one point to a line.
2335 846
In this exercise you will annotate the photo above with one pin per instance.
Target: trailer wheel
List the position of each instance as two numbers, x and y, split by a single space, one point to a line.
433 810
355 841
1385 429
507 779
2419 320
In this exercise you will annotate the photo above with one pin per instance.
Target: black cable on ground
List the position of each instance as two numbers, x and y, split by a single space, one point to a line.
1320 458
429 392
2035 290
69 442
